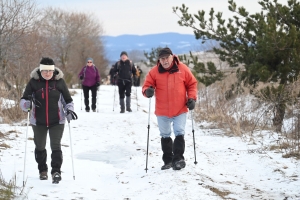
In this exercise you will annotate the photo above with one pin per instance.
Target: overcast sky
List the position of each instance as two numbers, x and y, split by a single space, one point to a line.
141 17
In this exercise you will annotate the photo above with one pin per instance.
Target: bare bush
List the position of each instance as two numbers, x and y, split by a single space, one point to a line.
74 36
244 114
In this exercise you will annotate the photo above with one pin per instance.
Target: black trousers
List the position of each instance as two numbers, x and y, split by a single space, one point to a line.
124 88
55 135
86 95
40 138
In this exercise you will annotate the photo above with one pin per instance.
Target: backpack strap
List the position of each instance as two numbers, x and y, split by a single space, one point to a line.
85 70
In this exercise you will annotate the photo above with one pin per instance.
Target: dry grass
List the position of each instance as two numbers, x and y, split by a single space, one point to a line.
10 110
9 189
240 113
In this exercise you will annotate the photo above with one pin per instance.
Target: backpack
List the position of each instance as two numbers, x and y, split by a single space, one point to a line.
138 73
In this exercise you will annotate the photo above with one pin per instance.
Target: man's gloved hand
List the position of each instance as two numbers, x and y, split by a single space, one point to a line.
149 92
26 105
71 115
190 104
81 77
98 84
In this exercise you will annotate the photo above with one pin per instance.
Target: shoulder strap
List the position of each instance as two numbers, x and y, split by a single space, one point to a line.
84 69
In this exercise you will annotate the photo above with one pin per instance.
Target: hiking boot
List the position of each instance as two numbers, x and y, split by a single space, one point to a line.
56 177
94 110
122 111
128 109
43 175
178 165
166 166
87 110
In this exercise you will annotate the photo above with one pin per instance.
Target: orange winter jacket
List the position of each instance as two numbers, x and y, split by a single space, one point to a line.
172 88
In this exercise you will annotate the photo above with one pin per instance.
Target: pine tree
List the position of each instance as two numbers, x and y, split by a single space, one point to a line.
267 43
151 57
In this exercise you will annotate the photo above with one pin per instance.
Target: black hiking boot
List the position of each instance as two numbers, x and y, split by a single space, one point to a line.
43 175
128 109
178 165
87 110
166 166
122 111
56 177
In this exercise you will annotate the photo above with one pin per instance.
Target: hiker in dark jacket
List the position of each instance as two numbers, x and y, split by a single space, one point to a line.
90 81
52 104
125 70
112 75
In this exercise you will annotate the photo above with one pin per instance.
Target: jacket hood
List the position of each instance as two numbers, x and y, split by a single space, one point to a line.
36 74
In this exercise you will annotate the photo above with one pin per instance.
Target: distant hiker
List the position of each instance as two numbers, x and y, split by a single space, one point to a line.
90 81
138 76
124 69
175 90
112 75
52 105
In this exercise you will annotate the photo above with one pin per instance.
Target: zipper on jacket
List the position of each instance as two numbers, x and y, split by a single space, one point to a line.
42 93
47 110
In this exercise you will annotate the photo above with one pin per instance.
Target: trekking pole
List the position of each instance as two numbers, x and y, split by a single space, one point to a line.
193 136
81 95
114 99
137 103
97 98
71 150
30 98
148 134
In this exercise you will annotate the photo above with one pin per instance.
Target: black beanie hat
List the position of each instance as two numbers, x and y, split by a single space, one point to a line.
123 52
164 52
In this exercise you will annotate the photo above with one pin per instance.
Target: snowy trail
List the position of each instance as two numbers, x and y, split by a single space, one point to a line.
110 158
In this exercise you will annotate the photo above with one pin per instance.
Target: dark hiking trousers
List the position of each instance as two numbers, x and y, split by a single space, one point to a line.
124 88
40 138
86 95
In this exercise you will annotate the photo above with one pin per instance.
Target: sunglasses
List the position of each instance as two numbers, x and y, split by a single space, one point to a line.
47 71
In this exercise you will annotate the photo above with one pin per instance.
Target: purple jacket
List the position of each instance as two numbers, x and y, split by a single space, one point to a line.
90 75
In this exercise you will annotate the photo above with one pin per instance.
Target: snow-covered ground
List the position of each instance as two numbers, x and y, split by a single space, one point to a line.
109 151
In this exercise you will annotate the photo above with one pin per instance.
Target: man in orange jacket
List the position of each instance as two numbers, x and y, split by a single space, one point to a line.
175 90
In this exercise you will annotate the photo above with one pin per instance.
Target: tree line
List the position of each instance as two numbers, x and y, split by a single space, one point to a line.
27 34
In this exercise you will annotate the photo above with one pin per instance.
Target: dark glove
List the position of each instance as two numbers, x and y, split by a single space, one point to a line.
190 104
149 92
81 77
71 115
98 84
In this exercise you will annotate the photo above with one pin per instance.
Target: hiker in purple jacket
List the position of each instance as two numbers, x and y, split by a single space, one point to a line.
90 78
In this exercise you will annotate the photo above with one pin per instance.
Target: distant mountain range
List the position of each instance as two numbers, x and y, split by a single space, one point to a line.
178 43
